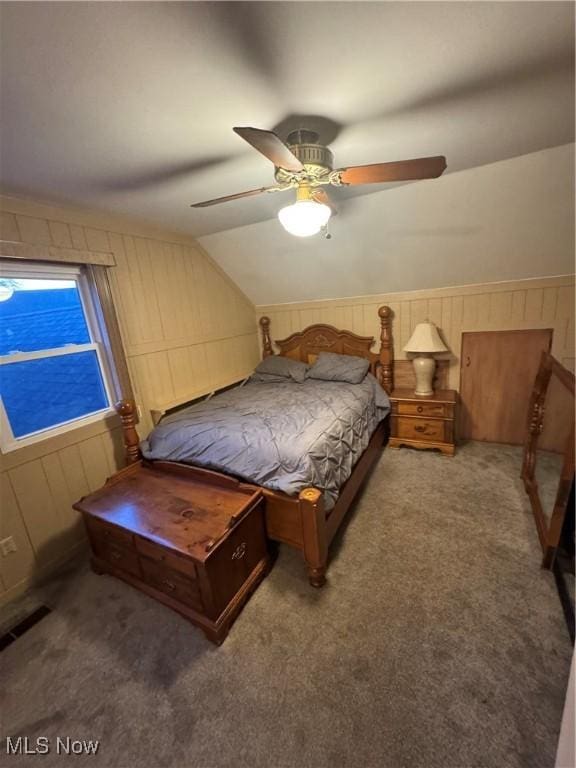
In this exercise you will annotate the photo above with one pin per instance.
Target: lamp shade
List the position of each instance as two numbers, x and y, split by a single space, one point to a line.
425 339
304 217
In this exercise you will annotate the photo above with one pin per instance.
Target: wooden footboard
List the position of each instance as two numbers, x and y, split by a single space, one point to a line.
304 524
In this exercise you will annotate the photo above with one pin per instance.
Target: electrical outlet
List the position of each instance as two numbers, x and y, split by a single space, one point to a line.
7 545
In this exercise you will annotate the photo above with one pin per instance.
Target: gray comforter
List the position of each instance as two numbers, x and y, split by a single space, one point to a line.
284 436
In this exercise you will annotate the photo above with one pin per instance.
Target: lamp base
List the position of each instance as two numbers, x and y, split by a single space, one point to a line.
424 367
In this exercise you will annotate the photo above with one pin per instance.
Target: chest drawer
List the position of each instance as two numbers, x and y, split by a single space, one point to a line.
171 583
421 429
423 409
99 530
164 557
119 557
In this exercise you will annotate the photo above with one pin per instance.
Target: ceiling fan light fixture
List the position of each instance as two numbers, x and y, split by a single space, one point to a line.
304 217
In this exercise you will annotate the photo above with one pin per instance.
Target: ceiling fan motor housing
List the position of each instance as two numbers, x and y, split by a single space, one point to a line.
316 158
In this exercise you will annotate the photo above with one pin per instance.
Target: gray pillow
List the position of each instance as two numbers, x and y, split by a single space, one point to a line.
269 378
332 367
283 366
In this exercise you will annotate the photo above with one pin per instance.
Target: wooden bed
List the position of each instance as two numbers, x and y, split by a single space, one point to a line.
302 521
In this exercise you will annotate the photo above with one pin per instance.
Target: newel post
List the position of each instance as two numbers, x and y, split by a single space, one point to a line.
386 349
127 412
266 340
536 410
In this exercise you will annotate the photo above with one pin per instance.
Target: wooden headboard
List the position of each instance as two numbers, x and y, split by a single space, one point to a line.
306 345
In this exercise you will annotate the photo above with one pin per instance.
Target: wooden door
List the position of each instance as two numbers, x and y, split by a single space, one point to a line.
497 374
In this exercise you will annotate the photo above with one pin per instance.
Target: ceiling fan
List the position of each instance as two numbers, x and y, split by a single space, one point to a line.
306 165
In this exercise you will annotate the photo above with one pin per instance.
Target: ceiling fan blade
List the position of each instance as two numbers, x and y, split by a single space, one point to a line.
403 170
271 147
237 196
321 196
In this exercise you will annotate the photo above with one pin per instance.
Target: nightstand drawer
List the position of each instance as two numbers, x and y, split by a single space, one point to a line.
426 422
421 429
423 409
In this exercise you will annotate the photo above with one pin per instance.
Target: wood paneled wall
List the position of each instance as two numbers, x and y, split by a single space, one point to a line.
187 329
540 303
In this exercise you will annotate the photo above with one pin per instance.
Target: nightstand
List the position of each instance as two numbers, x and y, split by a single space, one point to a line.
423 422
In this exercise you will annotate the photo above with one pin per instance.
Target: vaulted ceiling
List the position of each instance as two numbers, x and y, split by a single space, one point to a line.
129 107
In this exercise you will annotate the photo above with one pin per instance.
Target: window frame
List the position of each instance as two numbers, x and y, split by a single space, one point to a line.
97 344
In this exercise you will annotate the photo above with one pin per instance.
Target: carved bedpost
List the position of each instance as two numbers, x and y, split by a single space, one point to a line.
386 369
127 412
266 340
314 535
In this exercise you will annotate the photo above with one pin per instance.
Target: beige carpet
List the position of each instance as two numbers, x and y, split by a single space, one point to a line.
437 643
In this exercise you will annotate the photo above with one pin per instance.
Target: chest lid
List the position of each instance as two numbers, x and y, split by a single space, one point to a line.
185 509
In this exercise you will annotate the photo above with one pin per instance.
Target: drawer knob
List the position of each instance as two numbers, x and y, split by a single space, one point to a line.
170 586
239 552
420 409
115 555
423 430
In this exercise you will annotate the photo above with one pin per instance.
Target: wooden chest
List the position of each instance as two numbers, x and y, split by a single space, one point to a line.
190 538
423 422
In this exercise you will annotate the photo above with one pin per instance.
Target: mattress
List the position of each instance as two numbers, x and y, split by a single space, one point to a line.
284 436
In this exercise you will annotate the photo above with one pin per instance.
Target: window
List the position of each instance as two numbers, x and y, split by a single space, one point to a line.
55 372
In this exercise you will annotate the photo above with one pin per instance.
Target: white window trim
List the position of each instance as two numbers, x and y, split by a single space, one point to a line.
40 354
10 443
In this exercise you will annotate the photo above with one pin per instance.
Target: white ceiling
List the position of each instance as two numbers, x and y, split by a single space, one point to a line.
129 107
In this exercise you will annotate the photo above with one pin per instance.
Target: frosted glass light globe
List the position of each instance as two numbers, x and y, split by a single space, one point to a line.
304 218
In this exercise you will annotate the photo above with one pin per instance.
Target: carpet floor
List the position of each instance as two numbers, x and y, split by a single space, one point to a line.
437 643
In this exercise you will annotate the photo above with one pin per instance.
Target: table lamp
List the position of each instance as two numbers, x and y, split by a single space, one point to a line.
425 341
